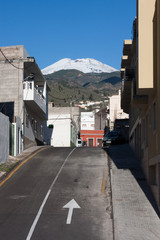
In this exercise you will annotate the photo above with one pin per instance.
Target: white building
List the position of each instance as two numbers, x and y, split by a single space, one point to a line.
63 126
115 111
87 121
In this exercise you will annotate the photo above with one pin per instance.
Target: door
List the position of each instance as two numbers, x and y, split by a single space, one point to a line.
99 142
90 142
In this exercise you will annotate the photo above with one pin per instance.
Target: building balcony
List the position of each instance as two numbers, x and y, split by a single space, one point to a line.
126 95
127 47
122 73
33 98
129 74
124 61
128 78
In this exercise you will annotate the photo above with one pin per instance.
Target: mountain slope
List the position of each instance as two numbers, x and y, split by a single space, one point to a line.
85 65
68 85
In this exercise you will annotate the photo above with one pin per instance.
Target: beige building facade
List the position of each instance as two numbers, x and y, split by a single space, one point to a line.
140 74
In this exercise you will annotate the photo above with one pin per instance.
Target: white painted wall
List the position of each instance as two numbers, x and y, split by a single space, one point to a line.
115 109
65 121
61 134
4 138
87 121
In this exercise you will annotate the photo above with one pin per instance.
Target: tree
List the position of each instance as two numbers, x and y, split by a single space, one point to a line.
91 97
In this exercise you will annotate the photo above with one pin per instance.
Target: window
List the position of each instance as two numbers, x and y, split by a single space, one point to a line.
143 129
146 136
30 85
27 120
32 122
153 175
41 131
99 142
154 116
90 142
50 126
150 117
35 125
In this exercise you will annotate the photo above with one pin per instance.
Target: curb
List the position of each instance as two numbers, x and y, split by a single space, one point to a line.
111 196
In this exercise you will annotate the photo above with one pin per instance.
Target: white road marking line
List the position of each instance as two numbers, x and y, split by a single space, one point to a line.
45 199
71 205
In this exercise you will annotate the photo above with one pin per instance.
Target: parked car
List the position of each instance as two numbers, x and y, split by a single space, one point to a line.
113 137
79 142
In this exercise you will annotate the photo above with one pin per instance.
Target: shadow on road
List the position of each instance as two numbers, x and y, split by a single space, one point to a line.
124 158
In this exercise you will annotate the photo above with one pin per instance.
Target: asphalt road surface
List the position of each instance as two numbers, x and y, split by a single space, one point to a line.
58 194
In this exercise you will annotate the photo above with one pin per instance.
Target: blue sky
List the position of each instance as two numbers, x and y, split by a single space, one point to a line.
54 29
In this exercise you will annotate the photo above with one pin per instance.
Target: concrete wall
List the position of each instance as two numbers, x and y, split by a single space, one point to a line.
74 134
12 74
11 78
4 138
100 119
33 131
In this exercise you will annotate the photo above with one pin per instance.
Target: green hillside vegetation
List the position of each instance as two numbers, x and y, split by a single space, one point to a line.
72 85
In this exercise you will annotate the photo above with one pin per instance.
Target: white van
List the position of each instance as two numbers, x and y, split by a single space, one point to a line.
79 142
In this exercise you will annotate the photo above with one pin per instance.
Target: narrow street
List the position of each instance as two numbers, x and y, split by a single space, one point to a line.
78 193
35 201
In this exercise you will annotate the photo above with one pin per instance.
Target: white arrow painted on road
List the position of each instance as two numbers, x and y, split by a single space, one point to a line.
71 205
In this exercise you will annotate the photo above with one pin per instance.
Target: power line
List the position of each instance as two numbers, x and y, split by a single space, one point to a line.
9 60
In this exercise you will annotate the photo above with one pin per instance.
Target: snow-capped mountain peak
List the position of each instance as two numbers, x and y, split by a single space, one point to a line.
85 65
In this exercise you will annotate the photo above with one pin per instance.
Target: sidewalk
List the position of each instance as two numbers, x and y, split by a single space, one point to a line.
135 214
